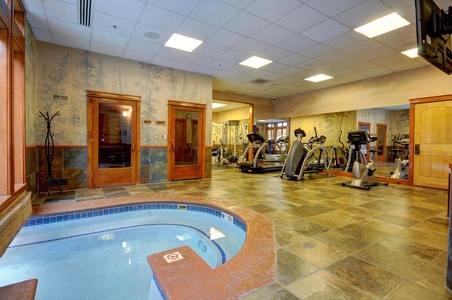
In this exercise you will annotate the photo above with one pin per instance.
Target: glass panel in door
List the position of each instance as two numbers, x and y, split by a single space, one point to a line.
186 138
115 135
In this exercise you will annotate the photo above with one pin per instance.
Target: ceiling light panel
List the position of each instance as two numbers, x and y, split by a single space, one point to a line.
318 78
383 25
182 42
412 53
255 62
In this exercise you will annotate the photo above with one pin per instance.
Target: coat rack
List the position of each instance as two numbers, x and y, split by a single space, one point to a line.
49 149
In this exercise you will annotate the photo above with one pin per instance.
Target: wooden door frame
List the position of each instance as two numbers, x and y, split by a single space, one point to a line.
413 103
91 95
383 155
201 139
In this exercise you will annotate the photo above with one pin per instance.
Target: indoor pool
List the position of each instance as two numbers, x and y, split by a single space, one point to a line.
101 254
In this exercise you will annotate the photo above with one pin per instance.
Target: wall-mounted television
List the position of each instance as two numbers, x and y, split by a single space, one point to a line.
433 29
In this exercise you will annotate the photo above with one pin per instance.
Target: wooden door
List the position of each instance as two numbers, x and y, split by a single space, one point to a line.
186 135
381 143
113 147
432 143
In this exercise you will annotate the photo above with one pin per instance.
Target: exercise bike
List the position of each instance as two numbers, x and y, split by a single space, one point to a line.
363 174
401 165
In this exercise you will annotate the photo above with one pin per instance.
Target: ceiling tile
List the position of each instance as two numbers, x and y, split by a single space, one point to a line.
246 24
325 31
316 51
106 49
362 47
211 50
112 24
196 29
130 9
111 39
273 34
198 59
301 19
70 41
359 14
137 55
272 10
238 3
43 35
69 29
36 7
274 53
251 47
333 7
143 46
161 18
296 43
226 38
214 12
344 40
37 21
181 7
61 10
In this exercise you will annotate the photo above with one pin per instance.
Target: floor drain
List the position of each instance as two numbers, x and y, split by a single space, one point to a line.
309 245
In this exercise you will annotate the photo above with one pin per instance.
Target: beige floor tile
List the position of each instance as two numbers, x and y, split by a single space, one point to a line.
428 239
365 276
316 252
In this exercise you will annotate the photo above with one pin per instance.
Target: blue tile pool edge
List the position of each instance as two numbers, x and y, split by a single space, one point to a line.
57 218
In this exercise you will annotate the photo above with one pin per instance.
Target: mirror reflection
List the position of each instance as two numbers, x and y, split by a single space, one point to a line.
389 125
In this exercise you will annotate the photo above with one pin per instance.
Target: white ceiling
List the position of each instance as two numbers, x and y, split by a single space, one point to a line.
301 37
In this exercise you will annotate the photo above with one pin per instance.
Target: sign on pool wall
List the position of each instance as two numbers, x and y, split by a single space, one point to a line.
227 217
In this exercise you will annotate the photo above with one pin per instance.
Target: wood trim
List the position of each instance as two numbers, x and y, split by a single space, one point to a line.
154 147
411 145
4 112
431 99
18 111
59 146
90 145
115 96
186 104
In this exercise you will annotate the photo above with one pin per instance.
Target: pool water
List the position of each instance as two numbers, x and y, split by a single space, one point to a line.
105 257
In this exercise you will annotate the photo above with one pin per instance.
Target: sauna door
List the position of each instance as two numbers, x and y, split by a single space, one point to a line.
185 141
114 137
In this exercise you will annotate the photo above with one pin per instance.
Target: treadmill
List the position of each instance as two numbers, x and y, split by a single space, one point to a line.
259 164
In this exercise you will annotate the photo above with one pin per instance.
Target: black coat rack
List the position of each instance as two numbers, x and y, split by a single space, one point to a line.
49 149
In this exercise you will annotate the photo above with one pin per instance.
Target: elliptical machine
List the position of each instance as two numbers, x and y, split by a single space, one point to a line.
301 159
363 174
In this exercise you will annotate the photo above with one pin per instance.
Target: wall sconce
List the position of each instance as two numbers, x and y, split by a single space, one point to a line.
125 113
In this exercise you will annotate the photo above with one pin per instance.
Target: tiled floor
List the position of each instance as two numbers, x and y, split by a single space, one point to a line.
333 242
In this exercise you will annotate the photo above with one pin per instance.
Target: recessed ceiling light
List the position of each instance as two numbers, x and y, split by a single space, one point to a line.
388 23
182 42
255 62
317 78
412 53
217 105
